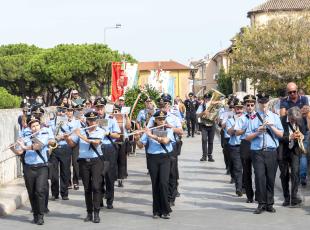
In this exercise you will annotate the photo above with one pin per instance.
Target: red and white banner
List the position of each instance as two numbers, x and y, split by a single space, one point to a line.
119 80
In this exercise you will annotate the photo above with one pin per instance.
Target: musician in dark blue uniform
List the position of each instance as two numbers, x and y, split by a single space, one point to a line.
35 167
158 161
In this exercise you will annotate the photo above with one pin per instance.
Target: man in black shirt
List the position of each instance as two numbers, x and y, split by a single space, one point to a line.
191 106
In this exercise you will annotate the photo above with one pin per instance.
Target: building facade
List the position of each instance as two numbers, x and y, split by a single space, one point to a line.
166 76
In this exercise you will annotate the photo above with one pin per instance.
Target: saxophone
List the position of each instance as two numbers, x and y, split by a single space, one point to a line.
53 143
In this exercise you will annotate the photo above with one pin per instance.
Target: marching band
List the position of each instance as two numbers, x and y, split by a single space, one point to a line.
96 143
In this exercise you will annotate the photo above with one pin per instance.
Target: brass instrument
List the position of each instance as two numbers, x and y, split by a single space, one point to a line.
212 108
300 140
53 143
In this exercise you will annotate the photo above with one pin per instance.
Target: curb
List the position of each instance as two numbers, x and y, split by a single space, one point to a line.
12 196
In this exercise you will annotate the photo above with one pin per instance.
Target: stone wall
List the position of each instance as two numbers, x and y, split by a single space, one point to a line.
10 167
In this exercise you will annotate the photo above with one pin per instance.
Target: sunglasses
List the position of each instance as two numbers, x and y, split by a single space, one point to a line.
292 92
61 111
160 118
250 105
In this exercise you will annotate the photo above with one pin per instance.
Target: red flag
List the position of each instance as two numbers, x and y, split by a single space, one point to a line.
119 80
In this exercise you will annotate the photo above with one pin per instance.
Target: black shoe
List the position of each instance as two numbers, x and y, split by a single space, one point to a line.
172 203
165 216
239 193
96 218
46 211
65 198
76 187
203 159
249 201
232 180
40 220
120 183
156 216
193 136
286 203
188 135
270 208
109 206
296 202
210 159
260 209
303 182
35 219
53 198
89 217
178 194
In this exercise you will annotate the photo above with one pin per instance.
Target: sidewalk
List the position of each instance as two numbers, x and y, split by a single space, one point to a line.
12 196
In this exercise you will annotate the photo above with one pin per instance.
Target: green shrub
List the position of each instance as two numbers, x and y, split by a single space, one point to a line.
132 94
7 100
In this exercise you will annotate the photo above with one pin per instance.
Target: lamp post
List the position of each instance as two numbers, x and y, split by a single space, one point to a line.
117 26
193 72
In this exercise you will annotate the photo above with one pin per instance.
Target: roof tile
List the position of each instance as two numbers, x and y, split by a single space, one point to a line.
164 65
281 5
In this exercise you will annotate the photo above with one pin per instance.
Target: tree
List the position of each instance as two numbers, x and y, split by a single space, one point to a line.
224 82
273 54
13 73
84 67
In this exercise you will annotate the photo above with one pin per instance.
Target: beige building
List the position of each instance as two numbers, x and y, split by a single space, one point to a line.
160 70
274 9
207 70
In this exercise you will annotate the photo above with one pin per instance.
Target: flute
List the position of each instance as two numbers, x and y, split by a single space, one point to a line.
23 139
82 129
140 131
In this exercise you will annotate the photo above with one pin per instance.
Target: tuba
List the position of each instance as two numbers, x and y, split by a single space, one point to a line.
213 108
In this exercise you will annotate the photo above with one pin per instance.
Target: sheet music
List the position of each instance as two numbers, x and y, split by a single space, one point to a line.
109 108
125 110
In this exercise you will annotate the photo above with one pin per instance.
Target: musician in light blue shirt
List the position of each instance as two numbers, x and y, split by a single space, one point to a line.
34 147
263 133
109 149
90 163
173 121
245 151
234 146
158 149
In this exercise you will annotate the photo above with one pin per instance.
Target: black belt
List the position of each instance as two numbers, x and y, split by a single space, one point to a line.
89 159
234 146
62 146
37 165
266 150
158 155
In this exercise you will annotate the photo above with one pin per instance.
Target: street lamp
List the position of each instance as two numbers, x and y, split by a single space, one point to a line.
117 26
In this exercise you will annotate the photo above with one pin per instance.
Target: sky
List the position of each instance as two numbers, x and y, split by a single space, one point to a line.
152 30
